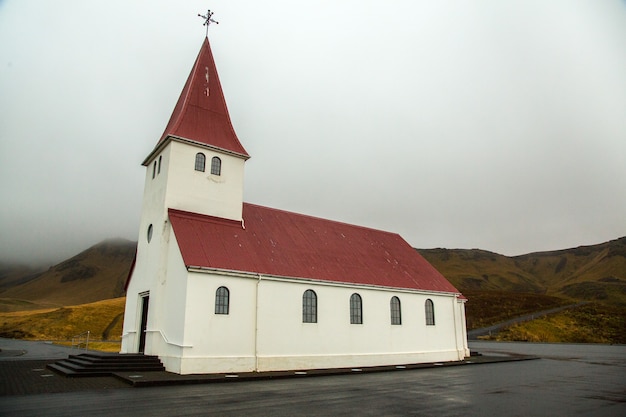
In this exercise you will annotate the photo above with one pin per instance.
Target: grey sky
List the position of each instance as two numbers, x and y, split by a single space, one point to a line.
498 125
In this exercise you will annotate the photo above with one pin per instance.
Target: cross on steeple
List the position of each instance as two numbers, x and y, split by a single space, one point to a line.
208 20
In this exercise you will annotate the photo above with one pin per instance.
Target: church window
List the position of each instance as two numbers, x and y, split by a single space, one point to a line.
154 170
396 314
356 309
200 161
149 233
309 307
159 168
430 313
221 300
216 166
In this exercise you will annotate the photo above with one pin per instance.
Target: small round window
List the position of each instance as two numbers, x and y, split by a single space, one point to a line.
149 233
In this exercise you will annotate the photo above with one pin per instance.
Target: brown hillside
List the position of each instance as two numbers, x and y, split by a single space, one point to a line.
475 269
596 272
97 273
103 319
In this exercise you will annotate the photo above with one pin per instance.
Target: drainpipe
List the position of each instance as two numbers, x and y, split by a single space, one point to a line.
256 325
456 330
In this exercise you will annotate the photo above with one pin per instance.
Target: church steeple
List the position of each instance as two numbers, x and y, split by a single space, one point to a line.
201 115
198 163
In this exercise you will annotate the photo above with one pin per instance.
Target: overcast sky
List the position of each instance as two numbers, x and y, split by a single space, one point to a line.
498 125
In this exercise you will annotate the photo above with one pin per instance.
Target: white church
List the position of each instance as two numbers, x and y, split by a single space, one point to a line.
219 285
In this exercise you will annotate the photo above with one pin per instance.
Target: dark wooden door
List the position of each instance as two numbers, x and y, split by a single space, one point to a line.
144 323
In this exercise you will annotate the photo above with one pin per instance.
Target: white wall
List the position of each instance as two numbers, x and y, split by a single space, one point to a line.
229 343
150 262
221 343
284 342
202 192
159 269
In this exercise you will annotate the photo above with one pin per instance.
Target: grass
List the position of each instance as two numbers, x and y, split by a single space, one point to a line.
110 346
486 308
103 319
589 323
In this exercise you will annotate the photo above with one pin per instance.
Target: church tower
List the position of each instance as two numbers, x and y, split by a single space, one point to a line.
196 166
198 163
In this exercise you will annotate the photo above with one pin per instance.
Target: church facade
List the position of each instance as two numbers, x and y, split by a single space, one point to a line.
219 285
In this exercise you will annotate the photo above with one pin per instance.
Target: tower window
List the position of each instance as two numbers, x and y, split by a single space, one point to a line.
356 309
216 166
200 161
221 300
159 167
154 170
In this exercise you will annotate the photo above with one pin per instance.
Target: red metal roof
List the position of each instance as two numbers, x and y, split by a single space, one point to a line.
201 114
280 243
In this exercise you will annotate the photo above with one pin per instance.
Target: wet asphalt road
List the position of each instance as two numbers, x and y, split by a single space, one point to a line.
570 380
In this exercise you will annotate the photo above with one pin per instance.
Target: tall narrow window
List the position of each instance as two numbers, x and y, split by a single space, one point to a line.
216 166
430 313
356 309
221 300
159 168
200 161
309 307
154 170
396 313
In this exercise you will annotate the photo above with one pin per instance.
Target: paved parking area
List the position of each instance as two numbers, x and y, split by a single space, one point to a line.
569 380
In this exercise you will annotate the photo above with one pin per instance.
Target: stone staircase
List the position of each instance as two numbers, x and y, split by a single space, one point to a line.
105 364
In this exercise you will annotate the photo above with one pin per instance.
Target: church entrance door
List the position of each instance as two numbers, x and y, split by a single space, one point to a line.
144 323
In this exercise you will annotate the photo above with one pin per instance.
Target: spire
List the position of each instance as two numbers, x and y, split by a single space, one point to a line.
201 114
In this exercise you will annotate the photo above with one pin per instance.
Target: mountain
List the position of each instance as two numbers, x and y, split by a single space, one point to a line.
16 274
97 273
596 272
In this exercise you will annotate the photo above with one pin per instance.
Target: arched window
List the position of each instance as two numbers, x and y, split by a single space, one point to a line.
221 300
309 307
200 161
396 313
216 166
430 312
356 309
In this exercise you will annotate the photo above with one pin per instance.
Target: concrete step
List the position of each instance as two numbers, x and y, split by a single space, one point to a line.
100 364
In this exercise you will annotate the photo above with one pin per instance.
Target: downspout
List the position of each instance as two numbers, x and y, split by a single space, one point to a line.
455 301
256 325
